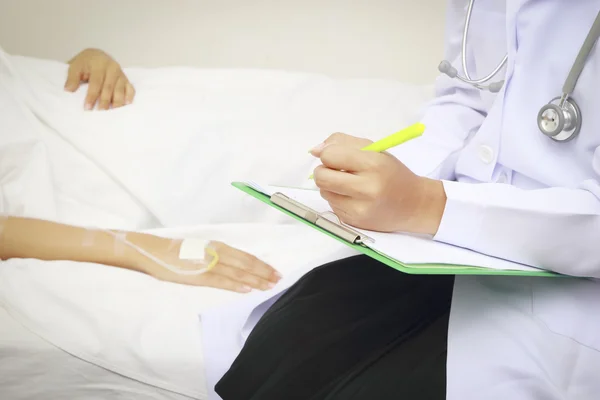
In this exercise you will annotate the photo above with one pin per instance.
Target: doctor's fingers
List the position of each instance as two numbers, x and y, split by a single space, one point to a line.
351 159
347 140
245 262
341 139
340 182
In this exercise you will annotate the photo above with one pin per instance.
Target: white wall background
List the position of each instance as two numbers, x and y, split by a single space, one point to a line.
397 39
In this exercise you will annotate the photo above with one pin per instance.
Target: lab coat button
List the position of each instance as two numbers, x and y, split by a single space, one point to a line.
486 154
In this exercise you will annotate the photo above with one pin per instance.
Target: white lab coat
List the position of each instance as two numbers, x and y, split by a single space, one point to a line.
512 193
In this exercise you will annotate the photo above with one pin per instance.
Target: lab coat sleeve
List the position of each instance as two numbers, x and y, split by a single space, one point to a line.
452 117
557 229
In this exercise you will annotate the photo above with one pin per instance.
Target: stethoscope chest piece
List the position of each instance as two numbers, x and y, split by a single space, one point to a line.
560 122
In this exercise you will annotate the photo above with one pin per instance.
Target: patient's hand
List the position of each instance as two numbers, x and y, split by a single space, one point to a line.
236 270
46 240
108 85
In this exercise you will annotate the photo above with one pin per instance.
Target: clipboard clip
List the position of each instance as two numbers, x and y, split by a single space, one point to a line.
327 221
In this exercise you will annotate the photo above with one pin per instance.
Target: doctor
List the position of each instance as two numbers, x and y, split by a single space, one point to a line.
509 166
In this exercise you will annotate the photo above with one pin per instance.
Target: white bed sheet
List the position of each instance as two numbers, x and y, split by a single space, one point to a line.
113 169
32 368
132 324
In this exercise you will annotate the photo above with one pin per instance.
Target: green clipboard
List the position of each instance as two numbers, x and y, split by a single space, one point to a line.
418 269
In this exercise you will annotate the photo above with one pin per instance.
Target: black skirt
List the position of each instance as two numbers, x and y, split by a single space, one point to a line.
353 329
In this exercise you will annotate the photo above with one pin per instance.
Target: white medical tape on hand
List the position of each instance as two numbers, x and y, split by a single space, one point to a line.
193 249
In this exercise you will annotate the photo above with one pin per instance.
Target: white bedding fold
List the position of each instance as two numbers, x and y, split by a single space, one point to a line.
189 132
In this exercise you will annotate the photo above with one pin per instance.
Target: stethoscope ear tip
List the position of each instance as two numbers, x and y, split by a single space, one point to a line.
446 67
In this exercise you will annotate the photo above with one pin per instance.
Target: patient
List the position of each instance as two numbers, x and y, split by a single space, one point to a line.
108 87
44 240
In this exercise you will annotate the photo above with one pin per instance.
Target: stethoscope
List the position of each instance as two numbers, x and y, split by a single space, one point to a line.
560 119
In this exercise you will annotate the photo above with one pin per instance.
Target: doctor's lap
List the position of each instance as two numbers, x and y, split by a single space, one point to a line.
510 167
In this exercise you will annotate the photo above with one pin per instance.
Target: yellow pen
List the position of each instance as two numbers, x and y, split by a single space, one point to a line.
395 139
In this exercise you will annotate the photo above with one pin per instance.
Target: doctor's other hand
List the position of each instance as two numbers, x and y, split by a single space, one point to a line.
107 84
375 191
235 271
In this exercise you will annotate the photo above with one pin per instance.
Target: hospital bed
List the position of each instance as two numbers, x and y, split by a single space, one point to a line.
163 165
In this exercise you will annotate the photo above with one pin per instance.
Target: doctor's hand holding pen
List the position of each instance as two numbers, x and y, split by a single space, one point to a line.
374 190
108 87
211 264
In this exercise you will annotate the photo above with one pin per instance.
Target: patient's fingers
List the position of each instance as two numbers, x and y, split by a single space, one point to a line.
95 86
108 87
129 93
107 81
244 277
219 281
73 78
245 262
118 97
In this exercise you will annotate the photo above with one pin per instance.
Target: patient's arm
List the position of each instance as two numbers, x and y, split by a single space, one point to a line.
45 240
108 85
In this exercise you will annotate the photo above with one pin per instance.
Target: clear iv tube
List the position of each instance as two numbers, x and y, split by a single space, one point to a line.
170 267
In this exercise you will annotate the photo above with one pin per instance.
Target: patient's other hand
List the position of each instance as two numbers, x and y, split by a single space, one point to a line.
236 270
108 85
